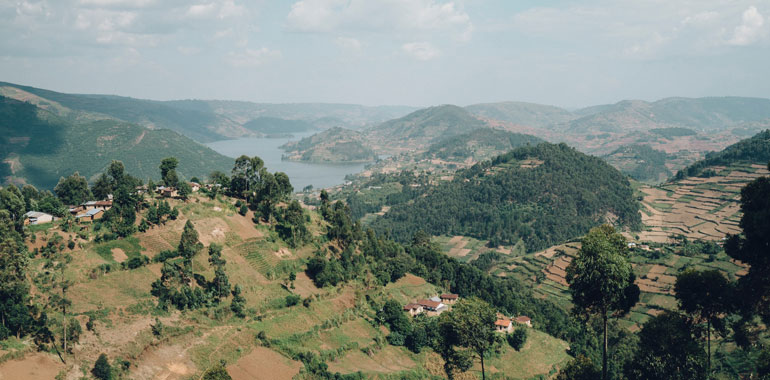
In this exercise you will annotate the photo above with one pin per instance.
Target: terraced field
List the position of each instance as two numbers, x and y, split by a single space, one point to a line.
695 207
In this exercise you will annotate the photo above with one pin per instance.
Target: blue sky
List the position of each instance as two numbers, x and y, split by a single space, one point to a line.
413 52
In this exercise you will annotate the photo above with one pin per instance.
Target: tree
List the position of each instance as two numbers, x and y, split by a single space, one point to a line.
102 187
102 369
518 338
601 280
705 295
189 246
217 372
753 248
471 325
73 190
667 350
168 171
238 302
12 201
184 190
580 368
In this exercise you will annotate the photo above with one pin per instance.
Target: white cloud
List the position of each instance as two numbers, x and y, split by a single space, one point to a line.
117 3
349 43
252 57
750 30
201 10
421 50
388 16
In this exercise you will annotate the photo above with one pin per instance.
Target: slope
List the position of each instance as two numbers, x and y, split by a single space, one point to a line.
332 145
542 194
479 144
421 128
521 113
38 147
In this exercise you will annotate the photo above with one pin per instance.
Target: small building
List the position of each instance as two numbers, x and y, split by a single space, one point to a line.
195 186
449 299
632 245
141 189
413 309
90 215
524 320
37 217
169 192
104 205
503 325
433 308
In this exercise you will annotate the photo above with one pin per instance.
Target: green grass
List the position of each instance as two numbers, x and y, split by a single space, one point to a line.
129 245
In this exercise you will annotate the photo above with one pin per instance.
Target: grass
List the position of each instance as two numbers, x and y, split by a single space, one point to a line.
130 247
539 356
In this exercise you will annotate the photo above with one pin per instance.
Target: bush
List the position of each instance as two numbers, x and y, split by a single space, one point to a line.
243 210
396 339
292 300
102 369
518 338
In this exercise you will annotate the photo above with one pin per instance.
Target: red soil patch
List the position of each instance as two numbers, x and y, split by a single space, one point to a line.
38 366
410 279
263 363
118 255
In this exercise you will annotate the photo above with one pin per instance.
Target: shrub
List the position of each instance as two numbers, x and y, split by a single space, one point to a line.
292 300
102 369
518 338
396 339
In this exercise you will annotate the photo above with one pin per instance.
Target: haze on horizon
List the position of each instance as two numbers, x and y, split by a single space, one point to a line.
406 52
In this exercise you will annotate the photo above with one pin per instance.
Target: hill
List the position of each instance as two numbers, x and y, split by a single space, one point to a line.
422 128
479 144
332 145
640 162
275 126
38 147
754 150
543 195
700 114
520 113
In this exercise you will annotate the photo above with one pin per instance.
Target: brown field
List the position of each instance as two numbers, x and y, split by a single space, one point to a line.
38 366
263 363
698 208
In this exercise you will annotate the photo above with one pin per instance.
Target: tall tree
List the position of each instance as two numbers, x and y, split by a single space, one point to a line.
12 201
753 248
189 246
102 187
667 350
601 279
705 295
168 171
73 190
472 325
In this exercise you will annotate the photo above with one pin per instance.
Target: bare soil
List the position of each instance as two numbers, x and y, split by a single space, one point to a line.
37 366
263 363
119 255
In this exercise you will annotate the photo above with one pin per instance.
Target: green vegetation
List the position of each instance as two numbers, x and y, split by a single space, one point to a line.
424 127
640 162
39 147
520 113
479 144
507 199
332 145
753 150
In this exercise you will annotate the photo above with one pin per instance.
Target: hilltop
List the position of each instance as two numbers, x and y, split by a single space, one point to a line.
421 128
521 113
38 147
542 195
479 144
641 162
332 145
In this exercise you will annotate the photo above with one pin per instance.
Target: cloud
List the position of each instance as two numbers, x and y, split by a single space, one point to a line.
252 57
349 43
387 16
201 10
750 30
423 51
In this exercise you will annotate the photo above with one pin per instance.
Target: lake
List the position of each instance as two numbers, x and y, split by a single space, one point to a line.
301 174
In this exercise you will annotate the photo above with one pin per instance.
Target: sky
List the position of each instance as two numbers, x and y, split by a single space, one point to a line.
390 52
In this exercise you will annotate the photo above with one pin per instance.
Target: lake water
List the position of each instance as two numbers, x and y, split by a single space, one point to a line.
301 174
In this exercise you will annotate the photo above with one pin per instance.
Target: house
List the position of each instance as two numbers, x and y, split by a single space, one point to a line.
104 205
433 307
195 186
36 217
632 245
141 189
524 320
449 299
413 309
169 192
503 325
90 215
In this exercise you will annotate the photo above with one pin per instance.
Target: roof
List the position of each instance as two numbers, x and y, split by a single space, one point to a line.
90 212
503 322
103 203
523 319
411 306
89 203
449 296
35 214
435 299
429 304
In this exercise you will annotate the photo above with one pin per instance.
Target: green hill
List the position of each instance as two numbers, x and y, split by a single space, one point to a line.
332 145
641 162
543 195
274 125
520 113
38 147
753 150
479 144
424 127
